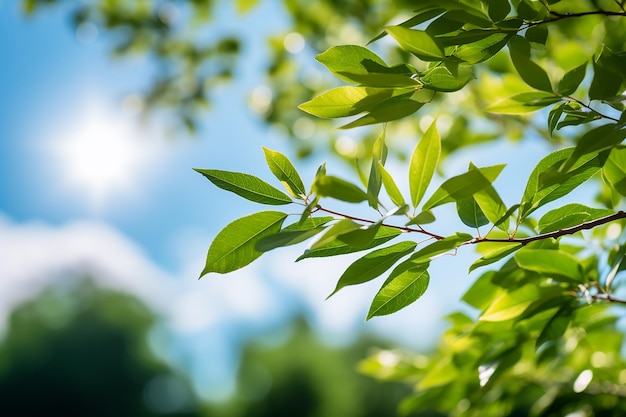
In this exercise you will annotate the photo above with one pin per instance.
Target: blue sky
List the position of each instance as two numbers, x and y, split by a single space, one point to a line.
145 221
83 188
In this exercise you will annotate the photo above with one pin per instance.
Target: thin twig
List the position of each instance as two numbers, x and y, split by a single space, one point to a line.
588 107
403 228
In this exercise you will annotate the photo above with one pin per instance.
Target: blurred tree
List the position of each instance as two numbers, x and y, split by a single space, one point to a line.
81 350
303 377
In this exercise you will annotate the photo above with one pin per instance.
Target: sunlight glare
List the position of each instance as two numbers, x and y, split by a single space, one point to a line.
101 156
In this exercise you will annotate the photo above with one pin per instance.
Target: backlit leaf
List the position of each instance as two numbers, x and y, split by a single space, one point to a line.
470 213
390 186
440 247
442 79
571 80
337 247
523 103
235 246
293 234
246 185
463 186
570 215
286 173
496 253
552 263
418 42
373 264
406 283
510 304
387 111
337 188
423 163
614 170
346 101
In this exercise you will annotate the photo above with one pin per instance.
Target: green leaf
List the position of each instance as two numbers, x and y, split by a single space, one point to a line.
361 237
415 20
555 115
347 60
294 233
571 80
607 76
418 42
614 170
442 79
423 163
463 186
375 181
482 49
570 215
346 101
286 173
235 246
537 34
496 253
341 227
439 247
390 186
424 217
491 205
530 72
470 213
482 292
406 283
373 264
510 304
246 186
556 326
595 140
498 9
339 189
552 263
523 103
337 247
387 111
539 192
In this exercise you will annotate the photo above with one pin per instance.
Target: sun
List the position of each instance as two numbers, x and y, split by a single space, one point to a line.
100 156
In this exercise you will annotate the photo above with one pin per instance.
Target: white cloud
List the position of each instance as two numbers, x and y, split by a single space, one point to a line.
218 311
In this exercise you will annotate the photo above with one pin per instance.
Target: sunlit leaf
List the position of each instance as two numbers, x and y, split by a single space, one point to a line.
246 185
347 60
294 233
346 101
614 170
442 79
235 246
418 42
524 103
510 304
387 111
496 253
423 163
286 173
424 217
570 215
390 186
375 180
595 140
373 264
337 247
439 247
341 227
406 283
463 186
552 263
470 213
338 188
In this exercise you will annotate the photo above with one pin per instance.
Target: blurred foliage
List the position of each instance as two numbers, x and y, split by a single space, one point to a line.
303 377
80 350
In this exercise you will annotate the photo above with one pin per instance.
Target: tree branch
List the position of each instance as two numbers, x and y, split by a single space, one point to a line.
557 233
